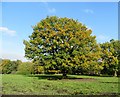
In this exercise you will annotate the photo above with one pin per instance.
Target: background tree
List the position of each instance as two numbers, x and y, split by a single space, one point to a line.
116 53
110 57
61 44
7 66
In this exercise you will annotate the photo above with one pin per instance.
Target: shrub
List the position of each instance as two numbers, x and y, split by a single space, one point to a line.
25 68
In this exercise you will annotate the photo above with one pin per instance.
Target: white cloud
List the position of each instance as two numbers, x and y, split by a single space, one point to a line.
103 38
13 56
49 9
89 27
89 11
7 31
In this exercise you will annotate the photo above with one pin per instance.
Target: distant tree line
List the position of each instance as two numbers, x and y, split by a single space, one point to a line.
15 67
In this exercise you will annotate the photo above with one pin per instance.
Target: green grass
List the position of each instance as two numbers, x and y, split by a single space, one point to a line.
75 85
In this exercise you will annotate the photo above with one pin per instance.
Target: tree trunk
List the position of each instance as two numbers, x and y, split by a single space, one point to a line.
115 74
64 75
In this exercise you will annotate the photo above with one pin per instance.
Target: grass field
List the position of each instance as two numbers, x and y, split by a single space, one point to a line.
53 85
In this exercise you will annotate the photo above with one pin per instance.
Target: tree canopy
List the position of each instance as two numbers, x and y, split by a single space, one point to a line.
63 43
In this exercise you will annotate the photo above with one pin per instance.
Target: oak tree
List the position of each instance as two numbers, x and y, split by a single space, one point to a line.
61 44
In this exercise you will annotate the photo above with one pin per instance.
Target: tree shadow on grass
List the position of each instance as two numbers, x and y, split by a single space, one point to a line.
112 82
54 77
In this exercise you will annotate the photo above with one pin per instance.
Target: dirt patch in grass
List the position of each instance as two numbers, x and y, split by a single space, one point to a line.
110 94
